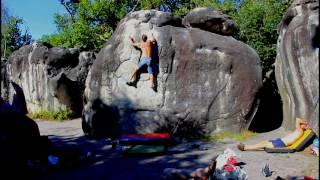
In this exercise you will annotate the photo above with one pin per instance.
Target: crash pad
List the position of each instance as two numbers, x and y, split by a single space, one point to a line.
145 139
298 145
146 149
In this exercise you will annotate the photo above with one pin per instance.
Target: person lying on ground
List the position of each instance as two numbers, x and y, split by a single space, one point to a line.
301 126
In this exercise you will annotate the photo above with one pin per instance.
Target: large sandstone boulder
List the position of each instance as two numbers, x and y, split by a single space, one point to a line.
52 78
211 20
297 63
206 82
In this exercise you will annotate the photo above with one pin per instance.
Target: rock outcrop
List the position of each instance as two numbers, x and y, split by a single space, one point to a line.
211 20
4 80
52 78
297 63
206 82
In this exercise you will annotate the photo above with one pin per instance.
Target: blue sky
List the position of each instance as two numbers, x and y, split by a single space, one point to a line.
37 15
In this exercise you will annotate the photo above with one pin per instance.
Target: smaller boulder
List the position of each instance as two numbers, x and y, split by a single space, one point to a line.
211 20
52 78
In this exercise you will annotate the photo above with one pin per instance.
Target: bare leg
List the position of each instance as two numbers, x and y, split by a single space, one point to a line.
133 75
134 82
153 80
258 146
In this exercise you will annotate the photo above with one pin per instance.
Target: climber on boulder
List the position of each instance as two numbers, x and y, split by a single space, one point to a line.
146 47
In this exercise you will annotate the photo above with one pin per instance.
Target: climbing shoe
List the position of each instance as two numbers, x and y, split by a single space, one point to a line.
132 84
154 88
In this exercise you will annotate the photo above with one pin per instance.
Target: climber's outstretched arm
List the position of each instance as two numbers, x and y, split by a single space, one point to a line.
132 42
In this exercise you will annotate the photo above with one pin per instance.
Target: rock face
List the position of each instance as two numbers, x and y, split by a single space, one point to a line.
206 82
211 20
4 79
297 63
52 78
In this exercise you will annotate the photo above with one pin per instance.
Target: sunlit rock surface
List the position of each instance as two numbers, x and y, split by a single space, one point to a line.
206 82
297 63
52 78
211 20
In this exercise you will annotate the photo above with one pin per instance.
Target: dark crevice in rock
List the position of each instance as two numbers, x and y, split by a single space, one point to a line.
316 38
214 99
251 114
179 122
269 115
101 121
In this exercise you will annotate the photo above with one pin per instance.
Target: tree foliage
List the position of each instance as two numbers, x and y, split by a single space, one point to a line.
12 37
94 21
93 24
258 21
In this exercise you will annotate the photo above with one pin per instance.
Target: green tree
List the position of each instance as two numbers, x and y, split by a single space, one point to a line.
89 23
185 6
91 26
94 21
71 7
161 5
12 37
258 21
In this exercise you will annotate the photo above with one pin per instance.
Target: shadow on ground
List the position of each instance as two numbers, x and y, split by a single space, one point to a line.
108 163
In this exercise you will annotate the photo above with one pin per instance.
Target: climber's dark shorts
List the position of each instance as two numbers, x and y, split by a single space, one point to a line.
148 62
277 143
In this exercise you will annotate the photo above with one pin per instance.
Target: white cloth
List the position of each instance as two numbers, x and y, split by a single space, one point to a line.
223 158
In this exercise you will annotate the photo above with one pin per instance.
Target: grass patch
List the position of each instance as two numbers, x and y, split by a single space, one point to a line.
243 135
51 115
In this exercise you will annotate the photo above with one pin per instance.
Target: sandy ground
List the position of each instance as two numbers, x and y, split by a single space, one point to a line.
108 163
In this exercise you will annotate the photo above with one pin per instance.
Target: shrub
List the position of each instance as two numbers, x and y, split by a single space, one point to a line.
51 115
243 135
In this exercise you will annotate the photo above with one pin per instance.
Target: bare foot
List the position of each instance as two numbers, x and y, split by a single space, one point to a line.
240 146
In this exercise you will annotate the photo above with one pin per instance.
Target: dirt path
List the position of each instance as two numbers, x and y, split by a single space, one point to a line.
110 164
